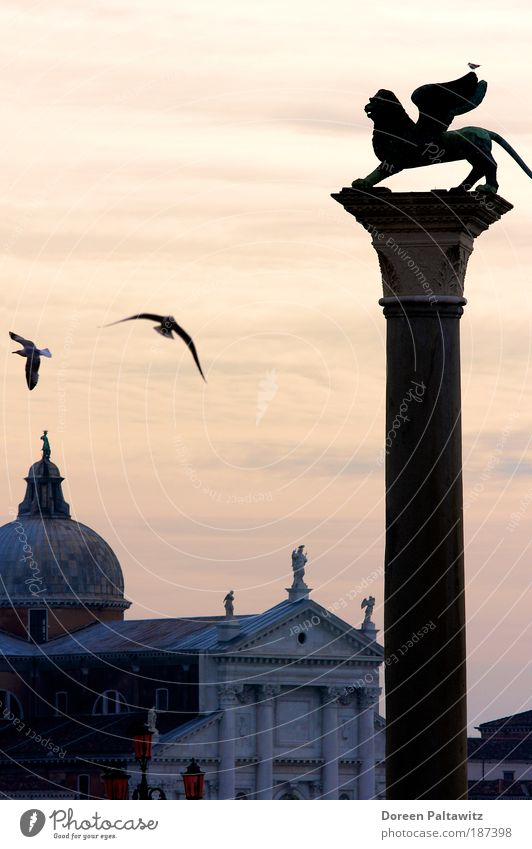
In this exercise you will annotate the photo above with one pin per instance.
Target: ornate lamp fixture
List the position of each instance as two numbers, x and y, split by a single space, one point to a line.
193 780
116 783
142 746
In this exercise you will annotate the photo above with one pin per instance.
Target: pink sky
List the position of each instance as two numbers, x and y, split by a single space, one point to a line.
178 157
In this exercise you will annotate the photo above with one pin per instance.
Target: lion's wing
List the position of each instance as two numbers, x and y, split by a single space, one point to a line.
439 103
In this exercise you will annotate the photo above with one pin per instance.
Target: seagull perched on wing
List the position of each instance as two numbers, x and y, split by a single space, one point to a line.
472 65
33 358
167 326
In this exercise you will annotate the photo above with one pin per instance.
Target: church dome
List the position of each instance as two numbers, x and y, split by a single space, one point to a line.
47 558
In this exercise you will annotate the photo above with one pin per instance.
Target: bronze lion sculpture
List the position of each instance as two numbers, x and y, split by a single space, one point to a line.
400 143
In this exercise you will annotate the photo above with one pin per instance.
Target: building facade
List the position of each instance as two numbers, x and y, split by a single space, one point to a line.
500 760
276 705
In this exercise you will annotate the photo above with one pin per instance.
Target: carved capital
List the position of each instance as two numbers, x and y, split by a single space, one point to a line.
229 693
418 264
331 696
367 697
267 692
423 239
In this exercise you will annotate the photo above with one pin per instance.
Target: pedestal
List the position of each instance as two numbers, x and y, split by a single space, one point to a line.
423 241
227 629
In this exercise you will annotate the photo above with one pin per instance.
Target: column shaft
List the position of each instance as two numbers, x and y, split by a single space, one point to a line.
366 747
265 722
424 616
226 749
330 777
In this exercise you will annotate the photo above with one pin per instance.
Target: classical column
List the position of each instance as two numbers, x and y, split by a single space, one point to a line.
423 241
265 725
227 699
329 730
367 698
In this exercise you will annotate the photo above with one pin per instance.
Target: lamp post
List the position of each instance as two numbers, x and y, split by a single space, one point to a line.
116 783
142 745
193 780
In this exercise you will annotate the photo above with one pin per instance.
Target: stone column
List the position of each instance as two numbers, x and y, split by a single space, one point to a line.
423 242
367 699
265 726
227 696
329 730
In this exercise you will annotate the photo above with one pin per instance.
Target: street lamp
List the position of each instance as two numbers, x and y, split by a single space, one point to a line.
116 783
142 746
193 780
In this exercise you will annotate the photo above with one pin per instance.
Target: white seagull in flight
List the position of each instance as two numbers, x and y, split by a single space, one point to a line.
33 358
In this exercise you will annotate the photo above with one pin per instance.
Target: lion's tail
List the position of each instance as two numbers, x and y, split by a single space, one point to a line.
509 149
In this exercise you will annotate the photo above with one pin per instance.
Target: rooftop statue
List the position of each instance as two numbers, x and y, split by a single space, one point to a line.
46 450
369 604
400 143
229 604
299 561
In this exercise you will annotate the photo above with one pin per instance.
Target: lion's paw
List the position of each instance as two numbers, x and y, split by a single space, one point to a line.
486 188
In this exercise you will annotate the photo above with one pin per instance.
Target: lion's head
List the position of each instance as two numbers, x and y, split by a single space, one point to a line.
385 110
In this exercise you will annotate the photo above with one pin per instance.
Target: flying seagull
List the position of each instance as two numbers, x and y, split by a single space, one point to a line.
167 326
472 65
33 358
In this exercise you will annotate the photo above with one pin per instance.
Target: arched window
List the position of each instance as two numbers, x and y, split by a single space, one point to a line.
110 701
161 699
10 707
61 703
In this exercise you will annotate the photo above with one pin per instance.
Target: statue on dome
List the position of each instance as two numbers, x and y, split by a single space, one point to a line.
46 450
299 561
228 604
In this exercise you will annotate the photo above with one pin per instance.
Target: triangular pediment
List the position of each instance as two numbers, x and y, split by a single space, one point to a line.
308 630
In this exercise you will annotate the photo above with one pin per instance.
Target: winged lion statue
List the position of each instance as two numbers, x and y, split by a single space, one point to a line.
400 143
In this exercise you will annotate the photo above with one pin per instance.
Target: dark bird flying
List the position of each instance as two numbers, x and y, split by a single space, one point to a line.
166 326
33 358
472 66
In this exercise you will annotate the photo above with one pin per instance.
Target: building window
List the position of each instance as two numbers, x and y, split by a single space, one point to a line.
83 786
111 701
10 707
508 775
343 796
301 638
38 625
161 699
240 795
61 703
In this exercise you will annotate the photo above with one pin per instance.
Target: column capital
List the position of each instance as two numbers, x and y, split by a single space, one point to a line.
229 693
332 696
368 696
423 240
267 692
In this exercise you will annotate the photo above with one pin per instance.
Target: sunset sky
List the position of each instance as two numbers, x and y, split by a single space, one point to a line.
178 158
